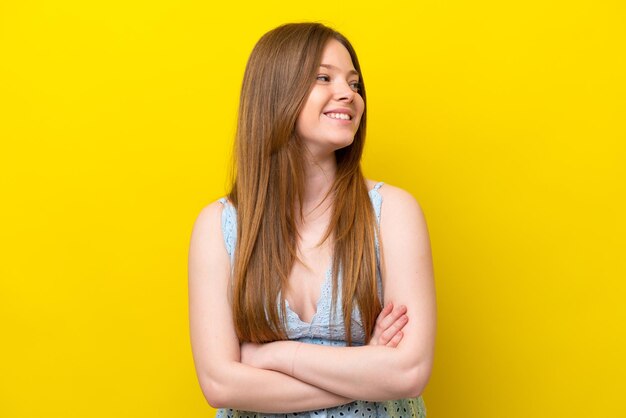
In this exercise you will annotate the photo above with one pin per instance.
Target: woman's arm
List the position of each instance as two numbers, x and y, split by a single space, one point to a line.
376 372
224 380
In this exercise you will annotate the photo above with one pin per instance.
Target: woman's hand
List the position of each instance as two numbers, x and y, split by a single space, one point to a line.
389 324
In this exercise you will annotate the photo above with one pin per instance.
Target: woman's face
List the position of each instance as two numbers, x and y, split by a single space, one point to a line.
333 110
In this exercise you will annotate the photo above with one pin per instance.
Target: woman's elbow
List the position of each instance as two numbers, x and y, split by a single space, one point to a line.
415 380
214 392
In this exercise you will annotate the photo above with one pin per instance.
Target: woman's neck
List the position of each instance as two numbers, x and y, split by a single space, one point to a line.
319 177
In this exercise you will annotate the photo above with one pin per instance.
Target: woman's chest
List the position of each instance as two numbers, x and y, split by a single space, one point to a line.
309 275
306 287
327 319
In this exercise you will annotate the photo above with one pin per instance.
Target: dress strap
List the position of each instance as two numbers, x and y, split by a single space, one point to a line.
229 227
377 200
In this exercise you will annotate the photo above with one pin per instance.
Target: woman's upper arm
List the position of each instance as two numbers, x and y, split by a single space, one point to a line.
408 277
213 340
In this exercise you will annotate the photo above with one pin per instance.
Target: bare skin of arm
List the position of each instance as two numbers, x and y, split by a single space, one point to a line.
225 380
408 280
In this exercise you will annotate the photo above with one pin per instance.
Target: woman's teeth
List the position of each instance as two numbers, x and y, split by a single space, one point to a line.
338 116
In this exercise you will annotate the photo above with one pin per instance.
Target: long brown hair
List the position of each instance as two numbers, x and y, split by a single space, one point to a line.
269 187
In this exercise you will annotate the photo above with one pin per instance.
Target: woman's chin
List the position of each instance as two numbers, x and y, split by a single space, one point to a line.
329 145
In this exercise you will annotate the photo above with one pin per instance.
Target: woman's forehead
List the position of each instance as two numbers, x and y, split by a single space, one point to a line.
336 57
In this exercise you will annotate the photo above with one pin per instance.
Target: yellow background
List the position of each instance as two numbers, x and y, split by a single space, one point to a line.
505 120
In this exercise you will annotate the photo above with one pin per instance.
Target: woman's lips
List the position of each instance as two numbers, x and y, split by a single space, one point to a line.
341 121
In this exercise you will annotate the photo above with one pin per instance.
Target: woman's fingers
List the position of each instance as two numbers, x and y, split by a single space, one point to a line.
378 329
388 323
384 322
395 340
386 311
394 329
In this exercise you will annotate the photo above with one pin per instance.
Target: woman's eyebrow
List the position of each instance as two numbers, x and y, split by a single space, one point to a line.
332 67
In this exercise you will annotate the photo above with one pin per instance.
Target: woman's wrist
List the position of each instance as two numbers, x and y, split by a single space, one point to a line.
281 356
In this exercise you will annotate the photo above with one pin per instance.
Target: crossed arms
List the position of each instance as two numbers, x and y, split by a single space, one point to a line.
287 376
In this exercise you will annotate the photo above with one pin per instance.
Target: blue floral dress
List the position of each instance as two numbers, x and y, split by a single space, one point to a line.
326 329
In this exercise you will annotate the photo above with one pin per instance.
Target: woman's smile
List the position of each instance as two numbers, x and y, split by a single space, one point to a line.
340 118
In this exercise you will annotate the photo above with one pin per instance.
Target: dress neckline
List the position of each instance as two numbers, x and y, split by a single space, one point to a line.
326 283
318 303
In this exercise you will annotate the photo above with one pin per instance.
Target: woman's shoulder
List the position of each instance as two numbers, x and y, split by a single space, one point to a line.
391 194
212 212
399 206
209 220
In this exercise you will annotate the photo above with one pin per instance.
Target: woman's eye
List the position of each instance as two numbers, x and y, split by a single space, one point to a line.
354 85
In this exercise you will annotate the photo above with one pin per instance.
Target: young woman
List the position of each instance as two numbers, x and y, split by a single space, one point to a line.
289 274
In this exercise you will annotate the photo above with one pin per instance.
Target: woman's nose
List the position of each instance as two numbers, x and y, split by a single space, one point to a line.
344 92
